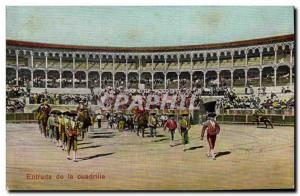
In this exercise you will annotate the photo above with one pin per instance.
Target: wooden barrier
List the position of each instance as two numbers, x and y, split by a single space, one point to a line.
282 120
279 120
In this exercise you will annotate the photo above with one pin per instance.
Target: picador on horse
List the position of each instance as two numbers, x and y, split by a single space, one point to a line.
140 120
42 116
84 118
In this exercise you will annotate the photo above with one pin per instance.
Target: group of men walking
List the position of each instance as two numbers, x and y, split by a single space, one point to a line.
62 128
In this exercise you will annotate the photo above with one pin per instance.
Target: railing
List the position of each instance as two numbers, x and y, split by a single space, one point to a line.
21 117
279 120
288 112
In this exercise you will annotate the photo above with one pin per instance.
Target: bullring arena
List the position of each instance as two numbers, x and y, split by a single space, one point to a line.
235 80
249 158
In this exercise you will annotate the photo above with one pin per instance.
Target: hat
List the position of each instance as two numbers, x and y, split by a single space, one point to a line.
184 113
171 114
55 112
72 113
67 113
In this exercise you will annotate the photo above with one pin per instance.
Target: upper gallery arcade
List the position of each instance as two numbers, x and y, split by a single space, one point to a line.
258 62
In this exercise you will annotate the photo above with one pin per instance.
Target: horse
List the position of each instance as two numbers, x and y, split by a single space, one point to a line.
265 120
129 124
85 120
140 121
43 115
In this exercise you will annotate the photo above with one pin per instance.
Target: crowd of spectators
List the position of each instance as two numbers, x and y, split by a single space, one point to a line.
56 99
17 96
145 95
233 101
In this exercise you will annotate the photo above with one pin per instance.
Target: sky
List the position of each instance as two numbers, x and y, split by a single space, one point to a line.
144 26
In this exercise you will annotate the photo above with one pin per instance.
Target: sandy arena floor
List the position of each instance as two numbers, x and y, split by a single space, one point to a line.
248 158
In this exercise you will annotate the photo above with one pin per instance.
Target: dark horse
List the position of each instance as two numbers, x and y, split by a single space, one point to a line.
141 121
129 123
265 120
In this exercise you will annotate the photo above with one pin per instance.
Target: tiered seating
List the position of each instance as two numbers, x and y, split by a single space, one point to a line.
120 66
67 64
53 63
283 59
159 66
172 66
146 66
80 64
173 84
24 62
282 81
10 61
267 81
253 61
254 81
198 65
185 66
268 60
107 66
94 65
225 63
239 62
133 66
39 63
212 64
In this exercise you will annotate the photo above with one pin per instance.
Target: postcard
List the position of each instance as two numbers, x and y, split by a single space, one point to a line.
150 98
